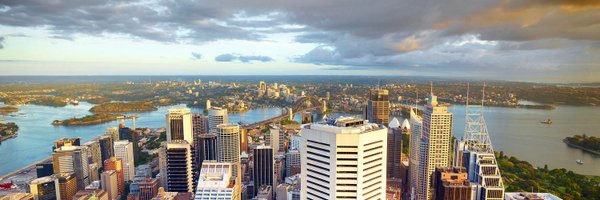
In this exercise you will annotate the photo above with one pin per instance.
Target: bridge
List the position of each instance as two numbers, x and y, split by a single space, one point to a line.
301 105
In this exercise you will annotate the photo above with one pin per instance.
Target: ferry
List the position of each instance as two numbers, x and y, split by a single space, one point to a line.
547 121
74 102
580 162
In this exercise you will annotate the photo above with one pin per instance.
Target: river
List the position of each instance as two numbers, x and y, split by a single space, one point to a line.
517 132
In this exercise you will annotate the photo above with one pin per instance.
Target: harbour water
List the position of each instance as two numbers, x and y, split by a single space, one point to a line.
517 132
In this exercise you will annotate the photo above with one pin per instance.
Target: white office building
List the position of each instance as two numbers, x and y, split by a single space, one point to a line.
434 149
179 125
216 182
124 151
343 159
228 145
216 116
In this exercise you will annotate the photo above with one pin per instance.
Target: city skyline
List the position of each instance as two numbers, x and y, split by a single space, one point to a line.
549 41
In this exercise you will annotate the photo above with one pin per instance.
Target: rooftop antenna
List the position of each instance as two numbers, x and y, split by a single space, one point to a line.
467 94
431 87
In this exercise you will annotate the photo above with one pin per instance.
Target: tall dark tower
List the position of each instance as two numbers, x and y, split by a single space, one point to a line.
378 107
263 167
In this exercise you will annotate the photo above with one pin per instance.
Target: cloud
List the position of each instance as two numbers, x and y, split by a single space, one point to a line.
225 58
452 36
242 58
1 42
196 56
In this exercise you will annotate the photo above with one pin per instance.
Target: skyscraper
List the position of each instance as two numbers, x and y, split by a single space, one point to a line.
207 147
67 142
263 172
273 138
228 145
44 188
378 107
216 116
106 147
343 158
394 150
199 124
292 162
113 132
72 159
216 180
94 152
477 155
116 164
109 183
434 149
413 162
124 151
67 184
148 189
179 125
451 184
175 163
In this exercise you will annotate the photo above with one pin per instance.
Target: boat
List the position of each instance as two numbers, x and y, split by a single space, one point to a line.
74 102
547 121
580 162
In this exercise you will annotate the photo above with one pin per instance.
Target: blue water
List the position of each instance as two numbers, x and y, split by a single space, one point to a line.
517 132
36 134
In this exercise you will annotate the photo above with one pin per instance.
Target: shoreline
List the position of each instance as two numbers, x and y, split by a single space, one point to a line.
596 153
28 168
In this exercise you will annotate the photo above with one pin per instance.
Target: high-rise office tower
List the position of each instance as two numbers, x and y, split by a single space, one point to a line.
106 148
124 151
434 149
44 169
344 159
451 184
262 88
208 105
413 162
44 188
216 180
116 164
216 116
292 162
378 107
66 142
113 132
394 149
273 138
72 159
176 166
179 125
263 172
244 140
199 124
228 145
94 170
109 183
67 184
475 152
94 152
148 189
126 133
207 147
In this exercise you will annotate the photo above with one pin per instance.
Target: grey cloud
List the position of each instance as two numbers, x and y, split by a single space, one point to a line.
242 58
225 58
1 42
196 56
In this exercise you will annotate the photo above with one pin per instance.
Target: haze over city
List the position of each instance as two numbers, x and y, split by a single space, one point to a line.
533 40
299 100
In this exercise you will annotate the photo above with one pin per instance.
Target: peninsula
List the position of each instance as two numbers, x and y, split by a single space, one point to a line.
115 107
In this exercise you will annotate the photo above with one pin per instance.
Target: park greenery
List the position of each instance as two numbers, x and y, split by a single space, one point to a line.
98 118
8 109
134 106
8 129
588 143
521 176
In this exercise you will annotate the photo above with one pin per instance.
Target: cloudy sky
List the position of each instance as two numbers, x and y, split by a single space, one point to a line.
530 40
